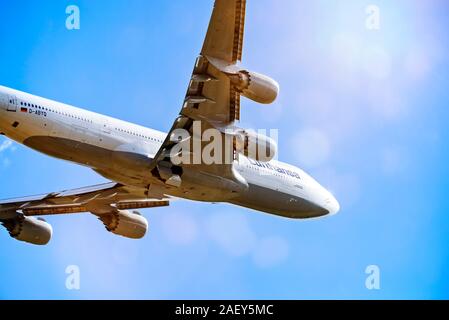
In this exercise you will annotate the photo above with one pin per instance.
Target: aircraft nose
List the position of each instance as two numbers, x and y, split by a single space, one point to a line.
332 205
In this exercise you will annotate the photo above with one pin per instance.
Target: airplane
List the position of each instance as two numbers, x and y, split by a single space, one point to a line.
138 160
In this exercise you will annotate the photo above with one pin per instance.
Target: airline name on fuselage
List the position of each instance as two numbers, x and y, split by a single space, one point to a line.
269 166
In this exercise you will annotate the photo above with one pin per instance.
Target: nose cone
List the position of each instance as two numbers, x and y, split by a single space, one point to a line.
332 205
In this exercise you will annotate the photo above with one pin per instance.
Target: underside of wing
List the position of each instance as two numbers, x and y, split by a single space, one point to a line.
212 102
213 96
224 39
94 199
112 203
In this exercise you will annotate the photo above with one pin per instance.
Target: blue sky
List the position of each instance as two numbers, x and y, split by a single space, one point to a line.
363 111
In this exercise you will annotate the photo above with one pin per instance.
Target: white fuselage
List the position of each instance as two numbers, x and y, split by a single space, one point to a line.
123 152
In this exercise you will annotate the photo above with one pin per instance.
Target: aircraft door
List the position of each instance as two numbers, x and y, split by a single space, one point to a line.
4 101
11 104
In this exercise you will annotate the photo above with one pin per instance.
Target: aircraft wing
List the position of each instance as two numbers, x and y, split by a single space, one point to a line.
96 199
224 39
211 95
212 99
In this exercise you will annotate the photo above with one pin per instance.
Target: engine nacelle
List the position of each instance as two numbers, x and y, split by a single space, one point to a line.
126 224
255 86
255 146
30 230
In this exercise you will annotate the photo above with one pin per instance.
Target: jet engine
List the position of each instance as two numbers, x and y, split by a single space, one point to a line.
255 86
255 146
125 223
30 230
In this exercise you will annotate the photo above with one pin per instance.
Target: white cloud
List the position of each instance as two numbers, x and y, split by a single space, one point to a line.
417 64
270 252
103 258
232 233
393 161
377 62
312 147
346 51
315 104
180 229
386 102
5 145
6 162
